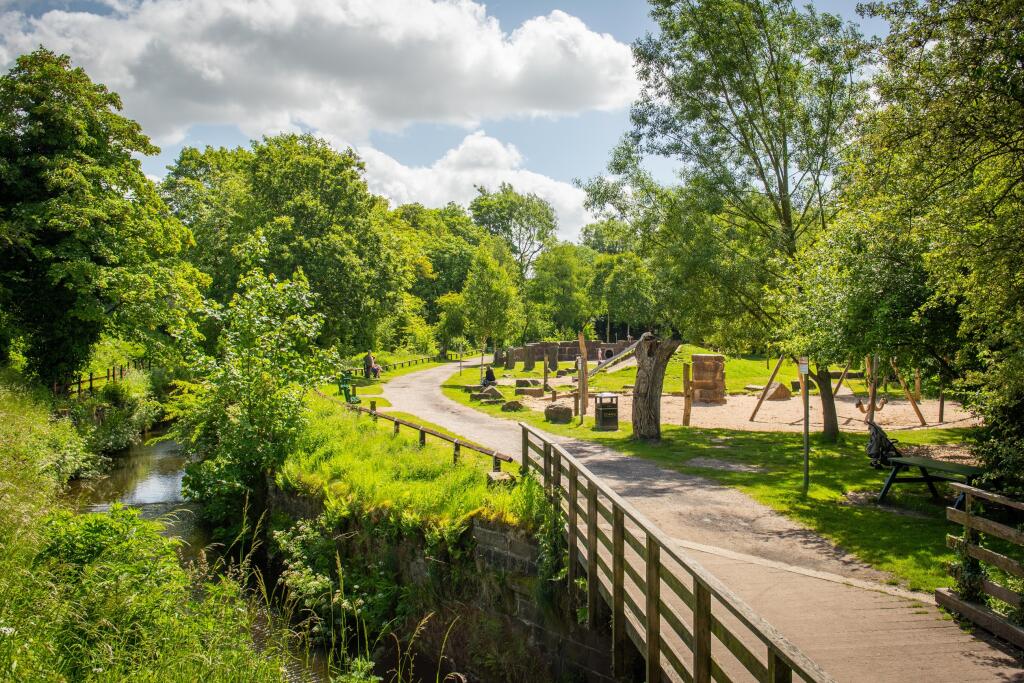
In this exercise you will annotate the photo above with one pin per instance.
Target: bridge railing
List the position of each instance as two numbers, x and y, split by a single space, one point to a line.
687 625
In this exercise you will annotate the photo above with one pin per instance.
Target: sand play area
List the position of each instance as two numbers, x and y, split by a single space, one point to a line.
787 415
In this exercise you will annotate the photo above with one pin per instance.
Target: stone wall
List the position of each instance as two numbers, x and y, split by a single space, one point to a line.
503 632
708 378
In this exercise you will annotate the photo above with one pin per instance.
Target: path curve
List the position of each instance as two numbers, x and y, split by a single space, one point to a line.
831 605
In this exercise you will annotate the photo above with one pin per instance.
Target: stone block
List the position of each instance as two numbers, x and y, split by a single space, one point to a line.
500 479
777 391
753 387
512 406
558 414
492 392
528 382
492 401
530 391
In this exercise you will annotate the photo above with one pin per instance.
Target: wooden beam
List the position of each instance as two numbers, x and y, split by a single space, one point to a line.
593 580
620 641
906 392
688 394
764 392
653 610
842 378
701 633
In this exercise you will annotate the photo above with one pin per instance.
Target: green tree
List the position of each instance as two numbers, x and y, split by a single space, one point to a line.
86 244
294 202
525 221
247 413
561 275
491 298
608 236
631 292
758 100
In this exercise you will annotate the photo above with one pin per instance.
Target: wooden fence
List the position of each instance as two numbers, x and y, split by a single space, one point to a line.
88 385
685 623
457 444
976 523
448 355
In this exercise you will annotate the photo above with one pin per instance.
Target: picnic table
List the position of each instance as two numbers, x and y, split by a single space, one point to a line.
884 453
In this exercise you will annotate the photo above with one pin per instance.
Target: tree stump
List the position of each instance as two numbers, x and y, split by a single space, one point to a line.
652 356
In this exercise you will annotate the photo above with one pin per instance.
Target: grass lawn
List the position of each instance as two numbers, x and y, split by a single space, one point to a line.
906 538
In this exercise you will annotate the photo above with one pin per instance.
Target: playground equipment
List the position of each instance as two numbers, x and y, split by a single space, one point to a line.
618 357
347 389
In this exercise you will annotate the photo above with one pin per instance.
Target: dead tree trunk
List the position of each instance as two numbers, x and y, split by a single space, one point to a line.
652 356
822 377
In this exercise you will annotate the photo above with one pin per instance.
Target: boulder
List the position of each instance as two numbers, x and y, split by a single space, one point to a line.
753 387
558 414
492 392
561 373
530 391
528 382
777 391
512 406
478 396
492 401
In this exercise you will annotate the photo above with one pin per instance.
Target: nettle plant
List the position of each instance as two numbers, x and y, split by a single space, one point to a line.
248 413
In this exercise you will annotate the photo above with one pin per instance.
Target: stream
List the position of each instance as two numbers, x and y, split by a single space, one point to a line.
146 476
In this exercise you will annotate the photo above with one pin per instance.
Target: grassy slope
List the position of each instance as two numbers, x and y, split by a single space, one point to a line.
907 539
353 460
99 597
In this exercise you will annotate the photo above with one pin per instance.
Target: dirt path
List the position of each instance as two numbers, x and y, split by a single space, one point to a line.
831 605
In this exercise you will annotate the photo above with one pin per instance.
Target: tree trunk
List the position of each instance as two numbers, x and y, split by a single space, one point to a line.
652 356
608 328
823 379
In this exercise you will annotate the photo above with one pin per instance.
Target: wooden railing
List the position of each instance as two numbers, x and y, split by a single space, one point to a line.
87 385
449 355
457 444
686 624
969 546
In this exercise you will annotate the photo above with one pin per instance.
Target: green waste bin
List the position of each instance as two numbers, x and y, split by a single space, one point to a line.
606 411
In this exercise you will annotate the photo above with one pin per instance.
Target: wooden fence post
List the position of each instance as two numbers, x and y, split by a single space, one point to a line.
593 580
90 383
423 438
547 467
619 638
653 611
687 395
701 633
373 410
778 670
455 453
574 551
524 468
396 427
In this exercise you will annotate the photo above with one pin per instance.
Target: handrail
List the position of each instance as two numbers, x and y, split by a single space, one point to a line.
783 657
496 457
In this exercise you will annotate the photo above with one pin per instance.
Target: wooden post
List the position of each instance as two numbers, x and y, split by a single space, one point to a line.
653 611
942 402
917 383
778 670
79 386
396 428
687 394
842 378
524 468
583 377
423 438
574 550
593 580
455 452
619 638
547 467
545 384
906 392
90 383
556 466
373 410
701 633
764 392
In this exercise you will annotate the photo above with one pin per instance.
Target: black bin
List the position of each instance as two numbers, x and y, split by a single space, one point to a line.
606 412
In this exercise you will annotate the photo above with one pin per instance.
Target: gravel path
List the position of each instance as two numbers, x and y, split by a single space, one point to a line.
834 607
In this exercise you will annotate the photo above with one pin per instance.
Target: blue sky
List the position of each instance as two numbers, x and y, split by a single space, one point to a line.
436 96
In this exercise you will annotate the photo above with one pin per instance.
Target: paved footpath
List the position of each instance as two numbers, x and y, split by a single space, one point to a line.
829 604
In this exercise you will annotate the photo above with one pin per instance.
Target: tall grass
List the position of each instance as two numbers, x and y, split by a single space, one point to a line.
354 461
101 597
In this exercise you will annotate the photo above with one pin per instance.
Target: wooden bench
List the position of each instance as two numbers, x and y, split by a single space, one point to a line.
884 453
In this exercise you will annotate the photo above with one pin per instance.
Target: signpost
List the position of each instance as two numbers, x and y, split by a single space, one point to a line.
807 422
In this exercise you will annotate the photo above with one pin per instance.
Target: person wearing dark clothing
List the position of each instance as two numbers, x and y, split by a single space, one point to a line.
489 380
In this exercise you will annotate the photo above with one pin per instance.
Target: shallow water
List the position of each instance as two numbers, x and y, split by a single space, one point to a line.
148 477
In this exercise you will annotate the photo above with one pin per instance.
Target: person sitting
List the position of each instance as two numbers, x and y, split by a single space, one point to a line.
371 369
489 379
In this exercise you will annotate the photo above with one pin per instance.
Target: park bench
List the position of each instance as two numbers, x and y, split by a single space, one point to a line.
883 453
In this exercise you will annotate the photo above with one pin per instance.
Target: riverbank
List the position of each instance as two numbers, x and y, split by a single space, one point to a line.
102 596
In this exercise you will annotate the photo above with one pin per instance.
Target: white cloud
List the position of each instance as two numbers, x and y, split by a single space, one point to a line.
478 160
340 67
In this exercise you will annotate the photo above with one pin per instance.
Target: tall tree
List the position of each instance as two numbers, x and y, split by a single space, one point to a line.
493 307
525 221
86 244
757 99
559 286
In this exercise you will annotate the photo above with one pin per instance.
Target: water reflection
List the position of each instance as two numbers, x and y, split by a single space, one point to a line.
147 476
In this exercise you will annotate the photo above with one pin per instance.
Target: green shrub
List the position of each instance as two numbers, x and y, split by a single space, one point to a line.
117 415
